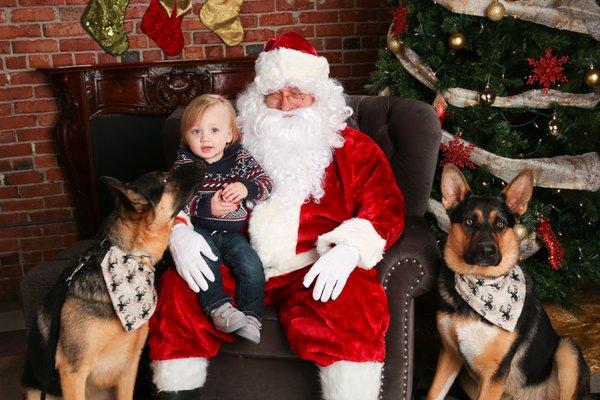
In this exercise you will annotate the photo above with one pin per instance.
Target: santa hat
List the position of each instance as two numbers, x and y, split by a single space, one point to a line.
289 58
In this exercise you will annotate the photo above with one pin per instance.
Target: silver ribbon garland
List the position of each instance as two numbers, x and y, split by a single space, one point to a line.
581 16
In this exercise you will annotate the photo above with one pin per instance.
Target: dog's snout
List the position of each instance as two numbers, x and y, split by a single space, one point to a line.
487 249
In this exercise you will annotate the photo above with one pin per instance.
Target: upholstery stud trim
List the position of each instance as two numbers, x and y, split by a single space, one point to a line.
404 323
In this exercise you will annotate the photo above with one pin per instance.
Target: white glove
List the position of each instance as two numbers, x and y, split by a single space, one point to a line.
187 247
333 269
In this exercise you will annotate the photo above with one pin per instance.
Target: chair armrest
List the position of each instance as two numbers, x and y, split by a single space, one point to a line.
408 269
415 257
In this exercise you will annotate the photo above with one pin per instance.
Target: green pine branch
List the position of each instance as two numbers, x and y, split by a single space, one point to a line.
497 52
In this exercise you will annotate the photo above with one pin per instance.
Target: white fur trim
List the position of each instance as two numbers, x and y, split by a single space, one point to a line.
179 374
276 67
273 229
348 380
358 233
186 217
292 264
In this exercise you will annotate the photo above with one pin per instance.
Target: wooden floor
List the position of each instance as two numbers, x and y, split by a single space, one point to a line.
13 346
10 376
12 350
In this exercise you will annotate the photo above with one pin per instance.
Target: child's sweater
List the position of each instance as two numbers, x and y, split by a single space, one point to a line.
237 165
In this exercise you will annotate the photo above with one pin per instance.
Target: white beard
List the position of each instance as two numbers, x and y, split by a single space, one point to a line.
293 147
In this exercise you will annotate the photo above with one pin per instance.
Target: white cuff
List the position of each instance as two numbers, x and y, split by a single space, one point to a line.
185 217
179 374
351 380
358 233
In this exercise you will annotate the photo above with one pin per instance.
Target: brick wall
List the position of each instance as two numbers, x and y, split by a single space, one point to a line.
36 215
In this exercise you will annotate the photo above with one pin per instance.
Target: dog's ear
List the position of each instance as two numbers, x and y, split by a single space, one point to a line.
124 194
454 186
519 191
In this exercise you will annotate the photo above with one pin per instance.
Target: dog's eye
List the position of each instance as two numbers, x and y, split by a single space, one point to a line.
468 221
500 224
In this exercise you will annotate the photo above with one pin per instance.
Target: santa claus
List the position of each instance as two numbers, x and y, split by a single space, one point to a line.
334 209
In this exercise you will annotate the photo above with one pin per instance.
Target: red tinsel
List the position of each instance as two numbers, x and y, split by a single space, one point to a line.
400 24
548 70
457 153
555 249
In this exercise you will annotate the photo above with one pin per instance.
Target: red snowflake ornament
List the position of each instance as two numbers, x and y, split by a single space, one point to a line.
457 153
548 70
400 24
555 249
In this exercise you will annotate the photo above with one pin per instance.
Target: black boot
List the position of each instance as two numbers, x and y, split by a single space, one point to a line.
193 394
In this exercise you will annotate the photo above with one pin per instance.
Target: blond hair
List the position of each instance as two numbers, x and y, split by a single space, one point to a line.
198 107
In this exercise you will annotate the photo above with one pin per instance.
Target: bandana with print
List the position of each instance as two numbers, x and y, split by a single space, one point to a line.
498 300
130 283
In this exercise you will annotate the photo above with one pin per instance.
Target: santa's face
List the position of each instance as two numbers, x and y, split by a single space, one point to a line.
289 134
289 98
293 130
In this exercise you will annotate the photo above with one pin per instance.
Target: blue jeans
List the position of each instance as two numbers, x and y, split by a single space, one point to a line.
236 253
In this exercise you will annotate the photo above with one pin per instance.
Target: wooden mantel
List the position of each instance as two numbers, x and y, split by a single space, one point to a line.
85 92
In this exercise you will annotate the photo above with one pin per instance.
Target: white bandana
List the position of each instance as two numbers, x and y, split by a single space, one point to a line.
130 284
498 300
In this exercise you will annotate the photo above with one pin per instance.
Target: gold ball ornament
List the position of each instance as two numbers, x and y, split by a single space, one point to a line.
393 44
457 41
555 127
495 11
487 95
592 77
520 231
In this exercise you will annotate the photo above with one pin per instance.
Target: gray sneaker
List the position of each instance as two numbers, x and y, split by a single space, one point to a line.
251 331
227 318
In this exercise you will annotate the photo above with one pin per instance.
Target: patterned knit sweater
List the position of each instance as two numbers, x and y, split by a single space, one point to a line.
237 165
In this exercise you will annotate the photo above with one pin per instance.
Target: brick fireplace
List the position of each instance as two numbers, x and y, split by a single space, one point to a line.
37 217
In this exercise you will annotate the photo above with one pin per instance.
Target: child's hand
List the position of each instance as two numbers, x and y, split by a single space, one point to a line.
220 208
234 192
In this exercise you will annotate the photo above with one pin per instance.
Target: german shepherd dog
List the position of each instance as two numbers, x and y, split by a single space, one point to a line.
78 346
528 362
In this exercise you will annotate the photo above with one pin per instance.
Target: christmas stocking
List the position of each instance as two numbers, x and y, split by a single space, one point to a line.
223 18
164 26
103 19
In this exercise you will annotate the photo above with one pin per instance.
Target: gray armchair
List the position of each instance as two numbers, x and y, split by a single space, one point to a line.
409 133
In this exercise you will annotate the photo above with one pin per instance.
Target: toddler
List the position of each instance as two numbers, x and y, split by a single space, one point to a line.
217 211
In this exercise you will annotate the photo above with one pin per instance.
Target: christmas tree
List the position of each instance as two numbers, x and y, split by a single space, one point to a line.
515 86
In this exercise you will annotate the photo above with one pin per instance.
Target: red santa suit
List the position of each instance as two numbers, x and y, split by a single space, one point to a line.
362 207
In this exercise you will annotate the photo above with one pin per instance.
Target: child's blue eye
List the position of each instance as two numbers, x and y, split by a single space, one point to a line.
196 131
215 130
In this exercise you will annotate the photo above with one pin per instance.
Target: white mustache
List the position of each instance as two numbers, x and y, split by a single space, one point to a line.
285 119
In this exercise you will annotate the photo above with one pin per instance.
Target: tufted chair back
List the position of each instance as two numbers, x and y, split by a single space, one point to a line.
411 147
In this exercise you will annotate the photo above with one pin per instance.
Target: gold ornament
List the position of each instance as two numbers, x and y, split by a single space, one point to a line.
495 11
520 231
457 41
555 126
394 44
592 77
487 95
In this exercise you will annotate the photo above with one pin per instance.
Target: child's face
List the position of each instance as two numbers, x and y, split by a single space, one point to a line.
209 134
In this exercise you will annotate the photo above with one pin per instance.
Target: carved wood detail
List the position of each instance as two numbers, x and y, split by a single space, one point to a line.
151 89
176 87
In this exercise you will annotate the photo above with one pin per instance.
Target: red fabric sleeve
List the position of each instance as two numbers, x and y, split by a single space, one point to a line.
378 198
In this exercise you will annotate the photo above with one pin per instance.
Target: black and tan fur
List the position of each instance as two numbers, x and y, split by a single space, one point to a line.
530 363
77 346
